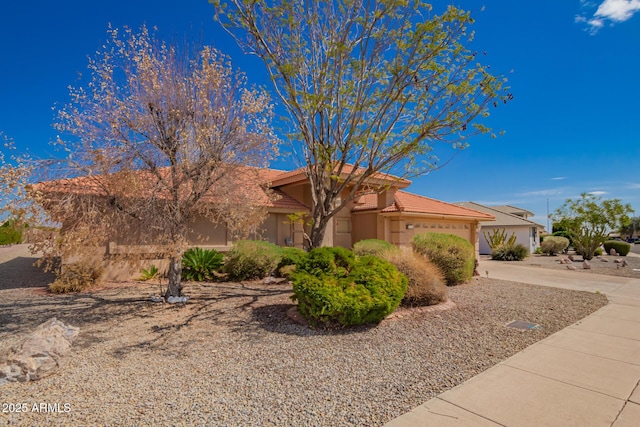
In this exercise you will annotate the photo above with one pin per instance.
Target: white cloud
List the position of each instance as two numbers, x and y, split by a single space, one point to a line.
613 11
634 186
598 193
548 192
618 10
558 178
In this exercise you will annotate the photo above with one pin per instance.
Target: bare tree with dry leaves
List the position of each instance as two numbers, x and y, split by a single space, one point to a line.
159 137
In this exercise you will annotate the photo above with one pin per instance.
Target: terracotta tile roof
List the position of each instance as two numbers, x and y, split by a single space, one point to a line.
283 201
144 182
299 175
414 203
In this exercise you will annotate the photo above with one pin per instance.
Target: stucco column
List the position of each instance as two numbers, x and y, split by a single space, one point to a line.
475 238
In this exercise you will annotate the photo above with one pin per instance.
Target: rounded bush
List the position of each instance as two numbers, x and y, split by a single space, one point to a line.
333 287
622 248
515 252
453 255
552 245
251 259
598 252
372 247
426 284
290 257
564 234
338 261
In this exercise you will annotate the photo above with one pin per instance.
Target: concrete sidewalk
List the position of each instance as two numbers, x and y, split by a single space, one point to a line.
585 375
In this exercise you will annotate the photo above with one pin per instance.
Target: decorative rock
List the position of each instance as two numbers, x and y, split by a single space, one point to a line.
604 260
624 263
39 355
618 260
586 265
156 298
174 300
613 252
561 261
568 261
570 258
571 267
270 280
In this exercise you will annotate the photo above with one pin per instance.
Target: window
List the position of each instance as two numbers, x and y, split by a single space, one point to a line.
343 226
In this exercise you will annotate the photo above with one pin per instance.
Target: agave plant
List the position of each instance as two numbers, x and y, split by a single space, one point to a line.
149 274
199 264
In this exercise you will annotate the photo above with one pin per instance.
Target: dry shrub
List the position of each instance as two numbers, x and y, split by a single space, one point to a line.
427 285
77 277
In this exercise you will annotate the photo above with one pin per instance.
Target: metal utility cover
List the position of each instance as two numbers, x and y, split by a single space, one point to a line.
519 324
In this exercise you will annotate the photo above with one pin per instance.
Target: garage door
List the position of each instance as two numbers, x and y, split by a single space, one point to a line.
456 228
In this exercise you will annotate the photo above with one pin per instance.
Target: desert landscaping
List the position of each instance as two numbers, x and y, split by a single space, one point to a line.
238 359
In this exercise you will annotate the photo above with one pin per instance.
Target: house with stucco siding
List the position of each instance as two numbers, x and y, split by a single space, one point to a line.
383 210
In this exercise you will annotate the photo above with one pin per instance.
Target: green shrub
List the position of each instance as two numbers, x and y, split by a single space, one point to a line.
453 255
337 261
564 234
149 274
552 245
10 233
498 237
290 257
199 264
514 252
331 287
426 284
372 247
76 277
622 248
538 250
251 259
598 252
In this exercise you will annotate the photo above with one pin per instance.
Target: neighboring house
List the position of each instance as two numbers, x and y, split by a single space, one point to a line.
383 211
512 220
522 213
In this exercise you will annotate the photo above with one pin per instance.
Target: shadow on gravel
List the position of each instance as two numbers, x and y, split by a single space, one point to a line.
274 318
75 309
20 272
228 304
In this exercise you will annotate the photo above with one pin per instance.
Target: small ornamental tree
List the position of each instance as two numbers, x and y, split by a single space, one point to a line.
158 137
589 219
371 87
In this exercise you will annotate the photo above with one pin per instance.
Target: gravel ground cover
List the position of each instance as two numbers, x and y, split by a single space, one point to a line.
604 264
232 357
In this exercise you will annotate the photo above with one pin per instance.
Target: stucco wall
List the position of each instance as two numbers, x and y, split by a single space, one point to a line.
364 226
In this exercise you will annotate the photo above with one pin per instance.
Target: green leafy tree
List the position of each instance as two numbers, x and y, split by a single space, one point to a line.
632 229
589 219
370 86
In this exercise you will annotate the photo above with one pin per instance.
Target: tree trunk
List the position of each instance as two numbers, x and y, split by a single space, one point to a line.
174 288
318 229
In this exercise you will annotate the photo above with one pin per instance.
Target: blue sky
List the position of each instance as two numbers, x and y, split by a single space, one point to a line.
572 65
